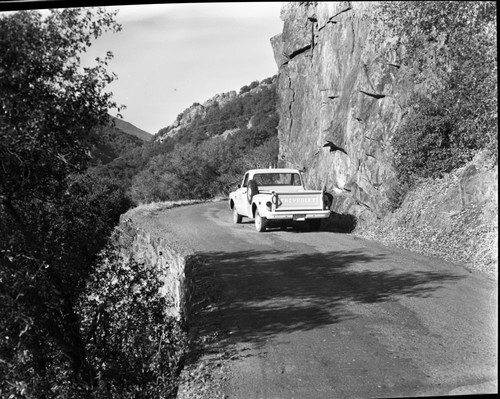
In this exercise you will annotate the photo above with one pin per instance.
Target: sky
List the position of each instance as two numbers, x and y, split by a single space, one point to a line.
169 56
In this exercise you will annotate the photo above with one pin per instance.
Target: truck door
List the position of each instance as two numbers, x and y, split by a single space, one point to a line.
241 204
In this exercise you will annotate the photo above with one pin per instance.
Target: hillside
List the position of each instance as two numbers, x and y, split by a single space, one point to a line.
254 107
130 129
115 141
204 152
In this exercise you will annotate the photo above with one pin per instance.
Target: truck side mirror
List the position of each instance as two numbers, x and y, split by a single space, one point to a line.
239 185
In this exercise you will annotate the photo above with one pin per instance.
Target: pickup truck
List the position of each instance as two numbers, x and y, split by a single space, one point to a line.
277 195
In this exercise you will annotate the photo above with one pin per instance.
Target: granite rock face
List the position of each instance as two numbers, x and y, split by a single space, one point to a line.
336 85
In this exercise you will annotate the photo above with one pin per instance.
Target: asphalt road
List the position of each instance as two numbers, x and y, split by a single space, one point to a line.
328 315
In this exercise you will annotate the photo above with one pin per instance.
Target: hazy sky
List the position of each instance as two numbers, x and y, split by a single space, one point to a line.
169 56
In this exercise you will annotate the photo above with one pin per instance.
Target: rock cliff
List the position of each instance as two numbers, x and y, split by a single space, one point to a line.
335 85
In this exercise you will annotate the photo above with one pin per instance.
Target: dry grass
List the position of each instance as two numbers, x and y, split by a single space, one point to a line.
154 207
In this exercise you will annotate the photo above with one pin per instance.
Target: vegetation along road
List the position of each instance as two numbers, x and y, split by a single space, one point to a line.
300 314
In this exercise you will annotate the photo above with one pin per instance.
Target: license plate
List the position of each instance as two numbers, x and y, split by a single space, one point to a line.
299 217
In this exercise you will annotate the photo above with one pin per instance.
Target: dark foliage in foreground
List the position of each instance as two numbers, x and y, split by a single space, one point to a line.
135 346
56 217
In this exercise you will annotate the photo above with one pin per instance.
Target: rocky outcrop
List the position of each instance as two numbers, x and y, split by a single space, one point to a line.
334 84
199 111
189 114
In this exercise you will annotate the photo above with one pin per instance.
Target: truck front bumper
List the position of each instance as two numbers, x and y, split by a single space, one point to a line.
298 215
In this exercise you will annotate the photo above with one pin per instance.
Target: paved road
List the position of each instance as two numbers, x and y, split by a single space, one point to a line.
328 315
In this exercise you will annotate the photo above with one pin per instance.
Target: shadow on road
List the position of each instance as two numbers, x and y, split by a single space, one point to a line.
251 296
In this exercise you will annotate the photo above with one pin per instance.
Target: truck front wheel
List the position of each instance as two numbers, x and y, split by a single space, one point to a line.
236 216
260 222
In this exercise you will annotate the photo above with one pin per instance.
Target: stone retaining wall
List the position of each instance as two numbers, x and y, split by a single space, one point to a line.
174 269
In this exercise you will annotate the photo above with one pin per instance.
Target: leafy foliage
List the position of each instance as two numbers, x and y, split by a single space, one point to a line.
48 249
135 346
48 104
246 89
451 49
200 171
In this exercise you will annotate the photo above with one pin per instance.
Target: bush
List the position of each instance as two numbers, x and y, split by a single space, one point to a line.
134 345
427 147
452 50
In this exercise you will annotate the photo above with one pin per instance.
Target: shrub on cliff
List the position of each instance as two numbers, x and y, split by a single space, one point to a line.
451 49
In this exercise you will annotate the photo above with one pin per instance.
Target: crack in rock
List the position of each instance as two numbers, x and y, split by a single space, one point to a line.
374 95
299 51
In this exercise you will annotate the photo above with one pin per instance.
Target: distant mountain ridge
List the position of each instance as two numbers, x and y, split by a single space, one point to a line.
128 128
117 140
213 108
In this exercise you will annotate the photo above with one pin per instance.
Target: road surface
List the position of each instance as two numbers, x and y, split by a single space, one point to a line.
299 314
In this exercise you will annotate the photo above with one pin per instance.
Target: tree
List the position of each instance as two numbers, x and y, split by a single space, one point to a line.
244 89
48 103
53 219
254 84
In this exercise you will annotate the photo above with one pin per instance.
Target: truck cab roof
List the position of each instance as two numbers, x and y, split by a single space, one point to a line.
273 170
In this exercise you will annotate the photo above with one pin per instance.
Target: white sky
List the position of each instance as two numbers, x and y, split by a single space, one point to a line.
169 56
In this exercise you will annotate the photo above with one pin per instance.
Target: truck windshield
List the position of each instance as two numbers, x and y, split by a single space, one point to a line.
277 179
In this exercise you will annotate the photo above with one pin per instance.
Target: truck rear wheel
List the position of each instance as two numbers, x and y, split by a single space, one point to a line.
260 222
